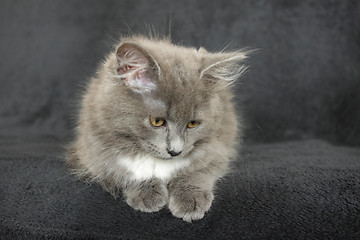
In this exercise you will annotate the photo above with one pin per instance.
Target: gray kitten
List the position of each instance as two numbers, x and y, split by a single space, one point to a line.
157 123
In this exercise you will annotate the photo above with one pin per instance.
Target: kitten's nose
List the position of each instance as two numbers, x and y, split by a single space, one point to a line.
173 153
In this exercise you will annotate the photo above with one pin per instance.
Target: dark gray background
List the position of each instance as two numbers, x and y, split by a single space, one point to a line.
304 81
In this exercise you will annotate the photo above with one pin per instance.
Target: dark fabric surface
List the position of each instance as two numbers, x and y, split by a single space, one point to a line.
303 82
292 190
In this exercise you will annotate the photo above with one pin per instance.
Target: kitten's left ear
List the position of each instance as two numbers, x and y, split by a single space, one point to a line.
136 67
223 67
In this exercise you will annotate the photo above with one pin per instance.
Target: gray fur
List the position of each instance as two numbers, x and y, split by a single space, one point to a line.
152 77
149 196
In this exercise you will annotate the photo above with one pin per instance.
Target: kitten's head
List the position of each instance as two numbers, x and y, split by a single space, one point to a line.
168 100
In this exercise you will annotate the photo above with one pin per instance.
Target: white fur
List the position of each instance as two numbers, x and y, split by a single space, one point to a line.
144 167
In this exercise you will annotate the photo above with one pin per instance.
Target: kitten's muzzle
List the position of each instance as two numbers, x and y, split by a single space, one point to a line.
173 153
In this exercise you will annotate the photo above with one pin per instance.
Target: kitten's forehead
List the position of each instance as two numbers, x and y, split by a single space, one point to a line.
176 104
181 104
183 93
180 91
154 103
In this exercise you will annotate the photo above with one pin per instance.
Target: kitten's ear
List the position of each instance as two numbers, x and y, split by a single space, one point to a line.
223 67
136 67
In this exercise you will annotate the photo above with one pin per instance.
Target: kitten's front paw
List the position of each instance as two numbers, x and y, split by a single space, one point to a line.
190 204
150 196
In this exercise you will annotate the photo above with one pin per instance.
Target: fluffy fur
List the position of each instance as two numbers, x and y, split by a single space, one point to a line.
118 147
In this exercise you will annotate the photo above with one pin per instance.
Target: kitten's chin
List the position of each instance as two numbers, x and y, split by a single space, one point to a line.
167 158
149 149
159 156
184 155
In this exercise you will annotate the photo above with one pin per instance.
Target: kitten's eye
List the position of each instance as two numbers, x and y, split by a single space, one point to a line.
157 122
193 124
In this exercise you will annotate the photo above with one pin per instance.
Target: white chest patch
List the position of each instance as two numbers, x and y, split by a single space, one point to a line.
144 167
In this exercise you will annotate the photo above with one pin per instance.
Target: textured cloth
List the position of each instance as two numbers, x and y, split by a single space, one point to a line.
291 190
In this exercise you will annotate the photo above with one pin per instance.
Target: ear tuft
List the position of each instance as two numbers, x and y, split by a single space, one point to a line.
136 68
224 66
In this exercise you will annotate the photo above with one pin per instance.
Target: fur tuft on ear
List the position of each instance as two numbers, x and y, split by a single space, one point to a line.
136 67
224 66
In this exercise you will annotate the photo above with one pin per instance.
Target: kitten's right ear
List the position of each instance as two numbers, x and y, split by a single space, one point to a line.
136 67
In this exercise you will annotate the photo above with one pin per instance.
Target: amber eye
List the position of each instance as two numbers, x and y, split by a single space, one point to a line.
193 124
157 122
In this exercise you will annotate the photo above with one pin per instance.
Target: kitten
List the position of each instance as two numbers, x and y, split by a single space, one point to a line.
157 123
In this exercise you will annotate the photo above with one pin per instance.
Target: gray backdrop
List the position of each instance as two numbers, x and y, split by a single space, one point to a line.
303 82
